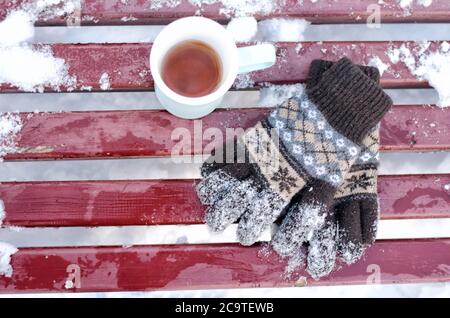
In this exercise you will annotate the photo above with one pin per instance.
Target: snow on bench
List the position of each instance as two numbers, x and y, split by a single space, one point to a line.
110 12
125 67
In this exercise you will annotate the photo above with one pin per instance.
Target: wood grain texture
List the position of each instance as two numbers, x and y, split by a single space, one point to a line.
157 202
151 133
140 268
118 12
127 65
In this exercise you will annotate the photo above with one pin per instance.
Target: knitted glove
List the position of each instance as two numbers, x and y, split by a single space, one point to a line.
356 210
357 207
309 142
352 225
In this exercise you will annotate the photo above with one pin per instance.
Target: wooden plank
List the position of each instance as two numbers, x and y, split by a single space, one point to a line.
107 134
127 65
111 12
156 202
213 266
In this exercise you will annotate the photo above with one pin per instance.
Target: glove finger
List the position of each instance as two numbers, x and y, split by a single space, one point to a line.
298 226
350 236
231 206
303 218
214 186
369 220
264 210
322 250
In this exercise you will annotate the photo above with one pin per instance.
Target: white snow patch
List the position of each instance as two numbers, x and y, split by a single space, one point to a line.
24 66
22 24
129 18
68 284
104 82
10 126
447 187
378 63
406 5
244 81
433 67
247 29
445 47
32 69
281 30
275 95
295 262
243 29
229 8
159 4
6 250
425 3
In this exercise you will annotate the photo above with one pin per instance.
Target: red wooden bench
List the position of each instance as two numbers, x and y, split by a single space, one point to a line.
146 133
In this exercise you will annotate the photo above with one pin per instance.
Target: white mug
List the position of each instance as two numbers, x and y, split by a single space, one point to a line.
234 61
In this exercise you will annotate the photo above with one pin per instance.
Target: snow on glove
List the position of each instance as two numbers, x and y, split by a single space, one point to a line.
352 225
318 134
356 206
352 104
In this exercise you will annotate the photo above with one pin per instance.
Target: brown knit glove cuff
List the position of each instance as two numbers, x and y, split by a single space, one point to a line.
318 67
351 101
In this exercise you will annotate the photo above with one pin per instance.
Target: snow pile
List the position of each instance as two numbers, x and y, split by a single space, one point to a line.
379 64
247 29
229 8
433 67
22 24
10 126
24 66
281 30
275 95
243 29
6 250
32 69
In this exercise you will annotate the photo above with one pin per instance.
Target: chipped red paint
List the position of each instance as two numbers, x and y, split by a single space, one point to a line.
107 12
176 267
148 132
128 64
156 202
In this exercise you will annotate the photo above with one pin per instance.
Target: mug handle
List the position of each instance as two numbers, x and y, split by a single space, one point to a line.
256 57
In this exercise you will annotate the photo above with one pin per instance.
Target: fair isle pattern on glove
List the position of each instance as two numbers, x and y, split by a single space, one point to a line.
352 225
307 145
362 178
357 208
309 148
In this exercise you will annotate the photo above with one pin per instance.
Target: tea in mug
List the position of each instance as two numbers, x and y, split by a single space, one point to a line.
192 68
